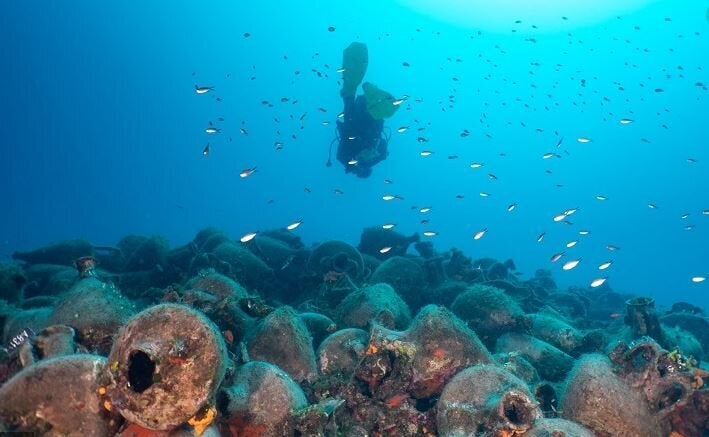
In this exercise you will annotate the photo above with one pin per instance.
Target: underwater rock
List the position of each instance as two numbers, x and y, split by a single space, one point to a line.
49 279
557 428
373 239
245 267
63 253
57 396
319 326
405 276
12 281
339 257
96 311
342 351
281 338
378 302
485 399
557 333
490 312
169 357
598 399
421 359
260 401
551 363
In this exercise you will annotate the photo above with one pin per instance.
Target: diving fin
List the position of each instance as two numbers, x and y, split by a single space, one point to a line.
354 63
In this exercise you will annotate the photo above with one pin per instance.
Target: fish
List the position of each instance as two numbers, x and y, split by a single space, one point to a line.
476 164
571 244
598 282
247 237
389 197
425 209
385 249
338 191
430 233
203 89
479 234
583 140
605 265
685 215
511 207
352 162
705 212
484 194
388 181
426 153
599 197
540 237
212 130
625 121
559 217
652 206
698 279
402 129
243 131
294 225
556 257
688 227
584 232
400 100
571 264
205 151
548 155
612 248
247 172
570 211
388 225
614 315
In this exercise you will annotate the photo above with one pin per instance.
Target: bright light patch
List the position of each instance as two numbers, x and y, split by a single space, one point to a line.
501 15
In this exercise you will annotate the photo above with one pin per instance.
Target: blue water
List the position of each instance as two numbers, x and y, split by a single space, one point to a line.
102 131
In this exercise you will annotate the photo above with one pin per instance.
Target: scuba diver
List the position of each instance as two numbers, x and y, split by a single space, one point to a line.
361 142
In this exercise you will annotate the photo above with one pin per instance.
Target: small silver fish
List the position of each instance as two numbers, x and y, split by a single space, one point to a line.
571 264
247 237
479 234
556 257
203 89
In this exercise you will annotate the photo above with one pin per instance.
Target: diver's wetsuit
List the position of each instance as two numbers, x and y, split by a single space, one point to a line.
360 138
